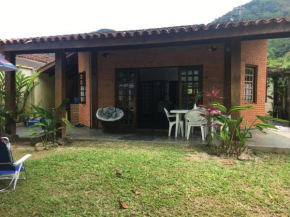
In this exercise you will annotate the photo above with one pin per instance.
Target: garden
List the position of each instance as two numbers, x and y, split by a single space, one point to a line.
147 179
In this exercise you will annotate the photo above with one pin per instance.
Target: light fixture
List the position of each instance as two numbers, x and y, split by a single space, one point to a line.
105 55
228 49
213 48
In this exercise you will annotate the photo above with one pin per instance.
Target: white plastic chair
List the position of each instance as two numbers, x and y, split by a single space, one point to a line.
193 119
172 122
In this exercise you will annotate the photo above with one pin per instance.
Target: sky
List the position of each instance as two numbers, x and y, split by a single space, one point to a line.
33 18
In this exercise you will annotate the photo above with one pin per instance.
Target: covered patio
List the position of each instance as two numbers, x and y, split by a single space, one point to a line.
274 141
220 51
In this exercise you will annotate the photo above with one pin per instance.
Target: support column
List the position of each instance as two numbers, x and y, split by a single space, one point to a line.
288 82
227 76
236 71
10 99
60 89
94 88
275 96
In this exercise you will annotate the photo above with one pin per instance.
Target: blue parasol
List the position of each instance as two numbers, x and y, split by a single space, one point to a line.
6 66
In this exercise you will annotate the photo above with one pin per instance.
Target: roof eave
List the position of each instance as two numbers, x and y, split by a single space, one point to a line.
268 30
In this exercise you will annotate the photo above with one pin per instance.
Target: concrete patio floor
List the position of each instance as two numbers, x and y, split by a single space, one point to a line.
138 135
273 141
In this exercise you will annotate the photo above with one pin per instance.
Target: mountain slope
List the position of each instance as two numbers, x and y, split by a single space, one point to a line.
259 9
278 49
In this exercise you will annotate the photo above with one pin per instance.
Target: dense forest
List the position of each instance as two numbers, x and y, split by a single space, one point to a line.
258 9
278 49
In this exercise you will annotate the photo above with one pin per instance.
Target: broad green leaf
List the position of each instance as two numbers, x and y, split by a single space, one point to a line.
266 118
238 108
39 110
68 124
219 106
62 104
39 124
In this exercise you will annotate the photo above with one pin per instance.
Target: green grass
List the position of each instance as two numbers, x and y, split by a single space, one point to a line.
173 180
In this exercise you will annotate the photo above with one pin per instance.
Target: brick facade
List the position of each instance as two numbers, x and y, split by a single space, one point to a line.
74 114
213 65
85 109
253 53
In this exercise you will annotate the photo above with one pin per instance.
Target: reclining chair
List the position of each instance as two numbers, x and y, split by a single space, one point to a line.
10 170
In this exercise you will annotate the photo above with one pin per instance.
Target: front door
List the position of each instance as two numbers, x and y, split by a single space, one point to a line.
126 82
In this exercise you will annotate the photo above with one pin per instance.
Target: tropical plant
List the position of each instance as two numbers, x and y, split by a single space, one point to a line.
235 133
4 113
24 86
210 111
280 108
48 123
196 96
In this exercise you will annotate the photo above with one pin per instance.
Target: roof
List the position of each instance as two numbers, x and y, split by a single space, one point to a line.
43 58
136 33
52 63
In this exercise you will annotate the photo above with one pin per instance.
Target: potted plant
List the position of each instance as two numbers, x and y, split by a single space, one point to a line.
195 97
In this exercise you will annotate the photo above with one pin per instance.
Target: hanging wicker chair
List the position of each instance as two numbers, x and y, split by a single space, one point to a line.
110 118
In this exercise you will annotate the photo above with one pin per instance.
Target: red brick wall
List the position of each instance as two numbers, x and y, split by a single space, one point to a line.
74 114
255 53
213 65
84 109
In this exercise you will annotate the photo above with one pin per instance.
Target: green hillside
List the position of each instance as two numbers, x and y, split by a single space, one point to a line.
278 49
258 9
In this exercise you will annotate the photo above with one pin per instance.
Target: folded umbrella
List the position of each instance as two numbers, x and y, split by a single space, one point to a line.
6 66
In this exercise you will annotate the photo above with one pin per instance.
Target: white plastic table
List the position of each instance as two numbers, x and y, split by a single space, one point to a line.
178 113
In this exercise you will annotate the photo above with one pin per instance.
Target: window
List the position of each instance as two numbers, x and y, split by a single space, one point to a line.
250 84
82 87
191 81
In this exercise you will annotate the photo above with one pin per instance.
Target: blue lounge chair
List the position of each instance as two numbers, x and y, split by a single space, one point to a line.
10 170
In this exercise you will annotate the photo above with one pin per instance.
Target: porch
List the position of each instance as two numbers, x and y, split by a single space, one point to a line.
85 133
273 141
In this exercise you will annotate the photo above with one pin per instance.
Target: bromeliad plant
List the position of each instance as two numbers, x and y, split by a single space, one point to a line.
49 124
210 111
232 137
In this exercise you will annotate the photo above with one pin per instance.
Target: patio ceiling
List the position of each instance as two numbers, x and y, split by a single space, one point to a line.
246 30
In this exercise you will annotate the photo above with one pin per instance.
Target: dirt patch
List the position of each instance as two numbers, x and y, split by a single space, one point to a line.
204 157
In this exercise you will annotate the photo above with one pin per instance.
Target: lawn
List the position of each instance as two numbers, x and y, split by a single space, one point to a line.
167 180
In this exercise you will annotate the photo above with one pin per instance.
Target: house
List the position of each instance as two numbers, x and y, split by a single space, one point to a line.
141 71
30 63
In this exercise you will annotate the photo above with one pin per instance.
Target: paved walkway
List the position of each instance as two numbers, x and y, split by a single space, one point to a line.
273 141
